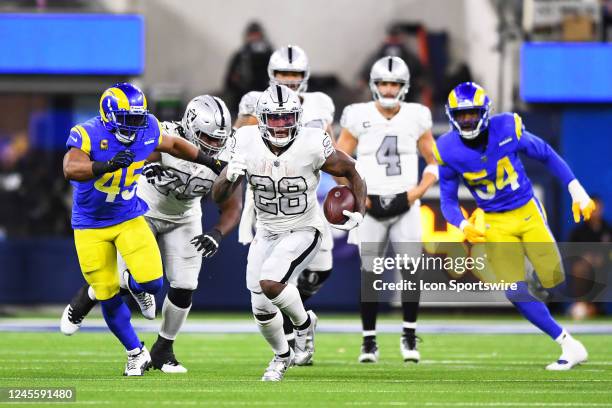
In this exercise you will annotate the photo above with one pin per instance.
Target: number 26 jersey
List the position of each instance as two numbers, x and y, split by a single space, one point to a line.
387 148
284 187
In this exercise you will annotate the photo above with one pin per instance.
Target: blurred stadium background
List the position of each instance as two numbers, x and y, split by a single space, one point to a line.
549 60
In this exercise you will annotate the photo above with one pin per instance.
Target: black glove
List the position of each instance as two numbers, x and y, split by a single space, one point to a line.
208 243
119 161
154 172
388 206
215 165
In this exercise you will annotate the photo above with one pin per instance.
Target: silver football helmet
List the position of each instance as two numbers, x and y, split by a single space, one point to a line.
290 58
279 112
207 123
390 69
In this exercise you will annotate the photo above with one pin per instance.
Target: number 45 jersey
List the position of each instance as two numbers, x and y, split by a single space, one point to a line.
387 148
110 198
284 187
177 196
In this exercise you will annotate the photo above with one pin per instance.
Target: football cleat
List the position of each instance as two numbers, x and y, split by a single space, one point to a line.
369 353
408 348
277 367
162 358
304 349
145 300
73 315
138 362
573 353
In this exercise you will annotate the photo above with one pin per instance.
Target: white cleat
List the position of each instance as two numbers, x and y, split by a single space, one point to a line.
408 348
138 362
572 354
145 300
305 348
69 324
369 353
173 368
277 367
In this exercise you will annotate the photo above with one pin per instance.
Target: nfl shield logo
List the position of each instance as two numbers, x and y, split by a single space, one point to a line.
104 144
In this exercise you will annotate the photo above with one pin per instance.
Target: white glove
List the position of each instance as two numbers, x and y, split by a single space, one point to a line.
354 219
236 168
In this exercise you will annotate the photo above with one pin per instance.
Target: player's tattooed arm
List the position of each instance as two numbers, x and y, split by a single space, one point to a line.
340 164
182 149
78 166
430 173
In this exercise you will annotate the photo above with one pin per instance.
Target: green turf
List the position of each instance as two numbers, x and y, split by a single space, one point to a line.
456 371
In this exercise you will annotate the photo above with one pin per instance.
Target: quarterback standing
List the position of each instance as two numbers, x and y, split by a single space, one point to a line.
386 134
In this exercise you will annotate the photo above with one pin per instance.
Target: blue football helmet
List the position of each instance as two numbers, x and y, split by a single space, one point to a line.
468 97
123 110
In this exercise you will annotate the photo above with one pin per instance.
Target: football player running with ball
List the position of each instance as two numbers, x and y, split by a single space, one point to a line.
281 162
289 66
387 134
482 151
105 160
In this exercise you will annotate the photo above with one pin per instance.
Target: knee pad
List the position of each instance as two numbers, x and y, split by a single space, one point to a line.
262 307
180 297
520 294
309 282
152 286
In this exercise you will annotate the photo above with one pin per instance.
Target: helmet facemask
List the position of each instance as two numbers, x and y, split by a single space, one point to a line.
128 124
469 121
388 102
299 85
211 143
279 128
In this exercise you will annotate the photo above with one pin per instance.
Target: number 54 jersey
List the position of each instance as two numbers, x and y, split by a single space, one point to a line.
387 148
284 187
109 199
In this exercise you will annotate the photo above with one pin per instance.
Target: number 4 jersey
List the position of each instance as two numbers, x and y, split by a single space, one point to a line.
387 148
109 199
177 196
285 186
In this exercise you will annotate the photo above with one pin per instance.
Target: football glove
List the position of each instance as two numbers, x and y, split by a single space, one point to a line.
120 160
581 202
236 168
208 243
474 227
354 219
154 172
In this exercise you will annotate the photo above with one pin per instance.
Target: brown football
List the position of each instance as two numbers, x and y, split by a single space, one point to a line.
338 199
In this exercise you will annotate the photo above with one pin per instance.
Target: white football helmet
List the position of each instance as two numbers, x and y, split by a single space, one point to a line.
207 123
390 69
279 112
290 58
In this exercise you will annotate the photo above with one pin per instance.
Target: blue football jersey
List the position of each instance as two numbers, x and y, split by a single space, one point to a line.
111 198
495 177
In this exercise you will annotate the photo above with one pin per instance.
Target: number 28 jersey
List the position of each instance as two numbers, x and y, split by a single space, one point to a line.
387 148
109 199
284 187
177 197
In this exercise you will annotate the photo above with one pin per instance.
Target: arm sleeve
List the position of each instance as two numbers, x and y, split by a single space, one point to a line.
449 200
535 148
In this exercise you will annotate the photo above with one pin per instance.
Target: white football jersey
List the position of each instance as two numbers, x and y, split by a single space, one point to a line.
284 187
387 153
317 108
177 198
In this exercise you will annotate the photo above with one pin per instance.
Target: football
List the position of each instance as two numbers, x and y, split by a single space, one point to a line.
338 199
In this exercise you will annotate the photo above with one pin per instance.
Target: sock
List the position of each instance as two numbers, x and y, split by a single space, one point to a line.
289 302
271 327
287 326
533 310
134 286
173 318
82 303
152 286
117 316
409 328
563 338
369 311
369 336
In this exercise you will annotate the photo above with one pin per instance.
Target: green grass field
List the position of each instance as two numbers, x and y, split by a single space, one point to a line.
457 370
